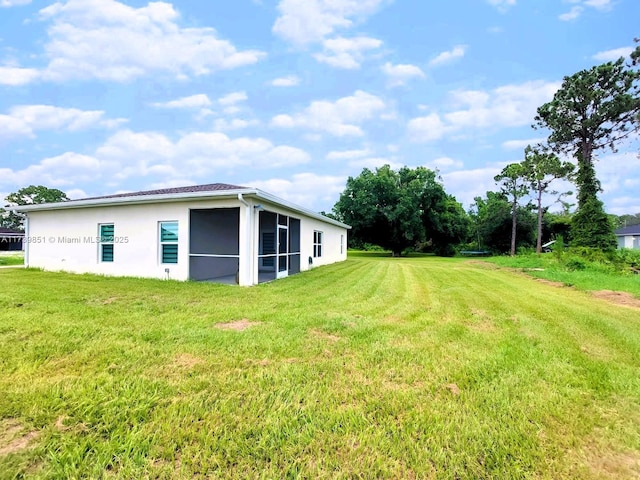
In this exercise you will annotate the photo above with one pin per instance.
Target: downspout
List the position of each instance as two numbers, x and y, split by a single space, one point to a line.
25 241
247 278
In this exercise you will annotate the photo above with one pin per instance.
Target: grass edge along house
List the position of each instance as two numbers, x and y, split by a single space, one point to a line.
215 232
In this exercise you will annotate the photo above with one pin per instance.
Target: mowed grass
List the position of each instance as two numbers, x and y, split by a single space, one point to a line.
372 368
590 279
11 258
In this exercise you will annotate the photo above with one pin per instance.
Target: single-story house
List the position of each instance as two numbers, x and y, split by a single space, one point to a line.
629 237
216 232
11 240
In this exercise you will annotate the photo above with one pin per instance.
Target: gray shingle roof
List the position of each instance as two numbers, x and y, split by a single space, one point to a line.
210 187
630 230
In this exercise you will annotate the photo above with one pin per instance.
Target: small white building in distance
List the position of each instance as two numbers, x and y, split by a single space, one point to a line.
217 232
629 237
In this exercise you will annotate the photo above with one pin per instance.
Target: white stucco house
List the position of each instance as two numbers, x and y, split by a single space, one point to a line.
216 232
629 237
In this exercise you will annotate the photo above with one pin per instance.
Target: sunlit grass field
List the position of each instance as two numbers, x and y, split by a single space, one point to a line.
377 367
591 278
11 258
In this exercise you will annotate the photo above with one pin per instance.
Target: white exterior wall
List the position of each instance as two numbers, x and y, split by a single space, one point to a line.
330 243
629 241
67 239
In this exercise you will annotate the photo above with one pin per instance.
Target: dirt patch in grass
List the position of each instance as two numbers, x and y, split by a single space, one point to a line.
614 465
60 423
102 301
174 465
480 321
597 351
619 298
237 325
483 264
453 388
550 282
186 360
324 335
484 325
13 438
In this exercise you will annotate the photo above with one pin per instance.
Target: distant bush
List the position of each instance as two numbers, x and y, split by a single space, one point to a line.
575 263
629 257
588 258
370 247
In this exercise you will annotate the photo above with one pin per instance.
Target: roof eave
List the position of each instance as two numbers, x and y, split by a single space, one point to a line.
297 208
173 197
132 200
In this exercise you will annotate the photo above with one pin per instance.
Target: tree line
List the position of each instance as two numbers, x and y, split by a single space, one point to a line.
594 110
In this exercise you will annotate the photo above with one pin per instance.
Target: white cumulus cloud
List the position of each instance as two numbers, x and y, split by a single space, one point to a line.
502 5
613 55
579 9
521 144
13 3
427 128
503 107
288 81
306 21
347 154
199 153
109 40
400 74
347 53
340 118
232 98
26 120
17 76
448 56
192 101
305 188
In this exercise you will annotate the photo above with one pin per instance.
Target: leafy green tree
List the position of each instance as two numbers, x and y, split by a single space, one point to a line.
396 209
513 183
491 220
592 227
27 196
446 224
541 169
557 225
593 110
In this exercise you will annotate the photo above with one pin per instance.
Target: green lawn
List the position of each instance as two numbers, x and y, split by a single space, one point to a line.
373 368
10 258
592 278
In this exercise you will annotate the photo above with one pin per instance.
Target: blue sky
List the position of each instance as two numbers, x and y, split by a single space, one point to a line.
292 96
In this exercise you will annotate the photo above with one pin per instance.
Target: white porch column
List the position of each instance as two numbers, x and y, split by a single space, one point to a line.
245 263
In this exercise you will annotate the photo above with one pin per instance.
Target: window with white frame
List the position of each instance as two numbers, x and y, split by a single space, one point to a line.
341 244
106 233
168 242
317 244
